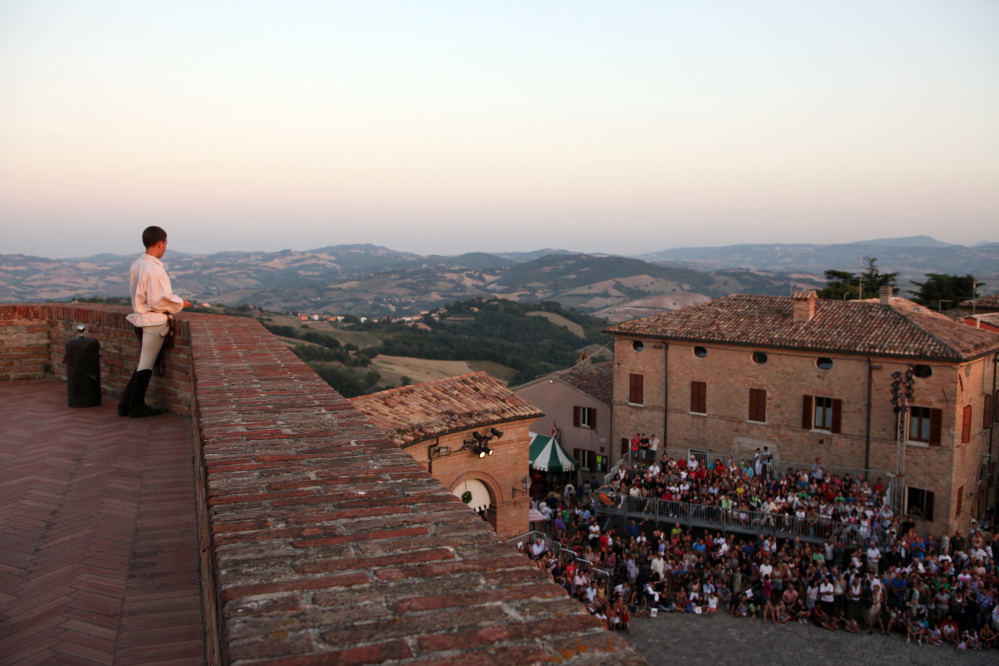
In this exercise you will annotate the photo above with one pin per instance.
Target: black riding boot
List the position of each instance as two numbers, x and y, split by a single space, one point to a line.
126 395
138 407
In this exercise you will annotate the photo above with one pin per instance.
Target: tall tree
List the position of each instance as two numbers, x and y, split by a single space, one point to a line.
945 291
846 286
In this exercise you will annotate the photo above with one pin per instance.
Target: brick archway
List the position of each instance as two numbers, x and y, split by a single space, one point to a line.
495 496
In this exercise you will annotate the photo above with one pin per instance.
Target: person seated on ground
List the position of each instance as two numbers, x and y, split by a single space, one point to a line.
887 619
818 616
972 640
741 609
725 595
949 630
987 636
831 623
711 604
962 644
852 626
933 635
915 630
782 613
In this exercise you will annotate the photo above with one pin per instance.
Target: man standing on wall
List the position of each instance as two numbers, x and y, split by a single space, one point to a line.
153 301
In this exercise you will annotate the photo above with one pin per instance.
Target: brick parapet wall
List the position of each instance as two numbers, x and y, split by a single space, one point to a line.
321 541
33 344
332 545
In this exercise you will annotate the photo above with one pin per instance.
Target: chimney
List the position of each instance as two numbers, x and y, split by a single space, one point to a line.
886 295
804 305
584 360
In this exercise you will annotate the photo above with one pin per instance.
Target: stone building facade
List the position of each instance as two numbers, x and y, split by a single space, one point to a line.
434 422
578 403
811 379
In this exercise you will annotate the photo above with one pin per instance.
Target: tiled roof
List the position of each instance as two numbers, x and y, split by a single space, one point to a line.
596 381
411 414
862 327
991 301
991 318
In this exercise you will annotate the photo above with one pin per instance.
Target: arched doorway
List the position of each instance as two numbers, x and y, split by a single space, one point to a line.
476 495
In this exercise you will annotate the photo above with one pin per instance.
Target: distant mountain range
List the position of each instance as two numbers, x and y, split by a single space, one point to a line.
913 257
374 281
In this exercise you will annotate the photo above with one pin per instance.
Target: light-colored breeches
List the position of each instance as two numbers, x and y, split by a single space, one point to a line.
152 342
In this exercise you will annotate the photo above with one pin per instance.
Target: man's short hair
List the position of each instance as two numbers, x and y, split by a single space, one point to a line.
153 235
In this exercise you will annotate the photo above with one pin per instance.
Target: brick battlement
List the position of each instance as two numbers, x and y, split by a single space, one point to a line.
322 541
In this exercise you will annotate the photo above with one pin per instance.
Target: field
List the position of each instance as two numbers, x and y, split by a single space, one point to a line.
393 368
559 320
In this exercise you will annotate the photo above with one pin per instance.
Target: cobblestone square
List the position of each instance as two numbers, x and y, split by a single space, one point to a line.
693 640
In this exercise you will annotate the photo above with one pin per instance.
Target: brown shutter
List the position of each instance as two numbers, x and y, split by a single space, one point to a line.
636 392
593 418
960 496
806 412
575 417
966 425
625 446
758 405
837 416
699 397
987 415
928 514
936 417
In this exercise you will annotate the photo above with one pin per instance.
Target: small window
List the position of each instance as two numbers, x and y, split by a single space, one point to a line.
919 502
584 417
760 357
823 413
824 363
923 371
700 352
638 345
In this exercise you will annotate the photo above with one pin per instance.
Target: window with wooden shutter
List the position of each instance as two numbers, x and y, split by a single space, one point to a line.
960 497
699 397
636 389
758 405
837 416
593 417
575 417
625 446
966 425
936 423
987 413
806 412
584 414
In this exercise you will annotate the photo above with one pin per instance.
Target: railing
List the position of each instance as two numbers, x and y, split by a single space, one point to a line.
605 577
623 462
705 516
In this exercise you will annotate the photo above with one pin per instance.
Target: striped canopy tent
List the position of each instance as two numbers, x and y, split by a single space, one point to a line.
549 456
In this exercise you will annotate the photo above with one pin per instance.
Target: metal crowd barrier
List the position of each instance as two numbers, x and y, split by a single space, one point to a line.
704 516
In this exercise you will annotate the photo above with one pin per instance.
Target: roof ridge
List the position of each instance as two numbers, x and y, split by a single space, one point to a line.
933 336
410 387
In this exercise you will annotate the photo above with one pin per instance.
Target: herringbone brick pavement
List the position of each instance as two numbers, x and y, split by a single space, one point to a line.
98 534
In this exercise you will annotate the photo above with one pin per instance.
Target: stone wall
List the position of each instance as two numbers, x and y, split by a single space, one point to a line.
321 540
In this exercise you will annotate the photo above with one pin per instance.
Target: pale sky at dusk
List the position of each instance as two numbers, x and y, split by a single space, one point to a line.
455 126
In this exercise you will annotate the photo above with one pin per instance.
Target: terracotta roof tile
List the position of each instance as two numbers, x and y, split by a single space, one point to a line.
412 414
596 381
991 301
862 327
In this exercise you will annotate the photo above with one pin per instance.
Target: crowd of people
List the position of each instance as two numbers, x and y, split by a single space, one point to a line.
927 591
805 501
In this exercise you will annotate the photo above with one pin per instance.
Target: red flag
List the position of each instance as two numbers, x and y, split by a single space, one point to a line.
555 431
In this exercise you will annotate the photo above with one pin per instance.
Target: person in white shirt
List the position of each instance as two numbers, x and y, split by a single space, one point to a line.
153 301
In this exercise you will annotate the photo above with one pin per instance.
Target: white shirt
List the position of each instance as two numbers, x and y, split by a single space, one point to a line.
152 297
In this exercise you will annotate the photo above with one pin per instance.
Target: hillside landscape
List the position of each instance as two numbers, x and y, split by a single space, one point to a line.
375 281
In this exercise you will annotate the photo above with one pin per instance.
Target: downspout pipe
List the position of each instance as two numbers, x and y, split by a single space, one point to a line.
430 456
992 419
867 433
